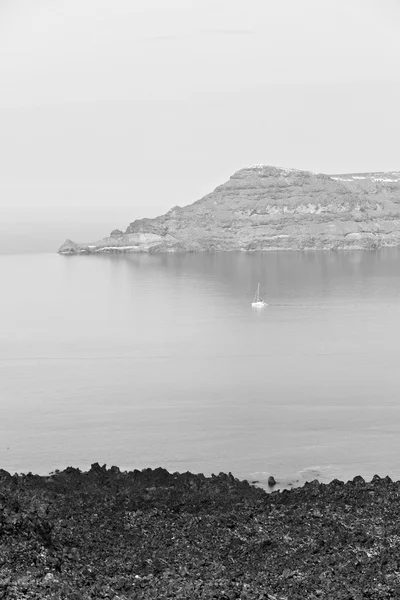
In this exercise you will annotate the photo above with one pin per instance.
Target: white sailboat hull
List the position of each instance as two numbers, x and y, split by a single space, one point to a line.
257 301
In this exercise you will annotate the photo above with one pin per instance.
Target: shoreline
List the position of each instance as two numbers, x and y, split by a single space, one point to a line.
85 250
105 533
286 480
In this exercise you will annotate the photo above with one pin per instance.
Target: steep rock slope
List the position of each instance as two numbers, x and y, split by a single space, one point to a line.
269 208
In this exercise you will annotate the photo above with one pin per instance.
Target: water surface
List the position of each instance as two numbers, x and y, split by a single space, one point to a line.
159 360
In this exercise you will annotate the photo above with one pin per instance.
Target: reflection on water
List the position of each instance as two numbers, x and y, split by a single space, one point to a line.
148 360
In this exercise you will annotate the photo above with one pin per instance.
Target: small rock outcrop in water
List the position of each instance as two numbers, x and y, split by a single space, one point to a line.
152 534
70 247
271 481
267 208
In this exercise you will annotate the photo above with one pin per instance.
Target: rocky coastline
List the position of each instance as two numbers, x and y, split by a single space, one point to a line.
154 534
264 208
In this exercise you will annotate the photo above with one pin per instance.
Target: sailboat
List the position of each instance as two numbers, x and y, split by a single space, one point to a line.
257 301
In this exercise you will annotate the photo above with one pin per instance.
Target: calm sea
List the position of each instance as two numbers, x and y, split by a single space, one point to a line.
159 360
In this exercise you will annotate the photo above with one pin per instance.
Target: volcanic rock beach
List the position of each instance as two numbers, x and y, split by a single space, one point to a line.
269 208
152 534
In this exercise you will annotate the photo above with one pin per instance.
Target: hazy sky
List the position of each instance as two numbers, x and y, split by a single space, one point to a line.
116 109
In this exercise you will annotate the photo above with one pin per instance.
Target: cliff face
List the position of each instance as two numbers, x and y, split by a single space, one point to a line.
268 208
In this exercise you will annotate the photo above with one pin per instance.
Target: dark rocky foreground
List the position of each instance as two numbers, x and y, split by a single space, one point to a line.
151 534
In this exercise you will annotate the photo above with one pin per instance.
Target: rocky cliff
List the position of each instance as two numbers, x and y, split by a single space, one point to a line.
269 208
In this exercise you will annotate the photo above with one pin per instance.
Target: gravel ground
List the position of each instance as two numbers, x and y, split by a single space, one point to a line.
151 534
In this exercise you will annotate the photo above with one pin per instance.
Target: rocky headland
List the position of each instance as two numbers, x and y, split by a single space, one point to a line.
152 534
269 208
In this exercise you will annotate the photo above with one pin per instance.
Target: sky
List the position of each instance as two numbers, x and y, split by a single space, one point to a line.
112 110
